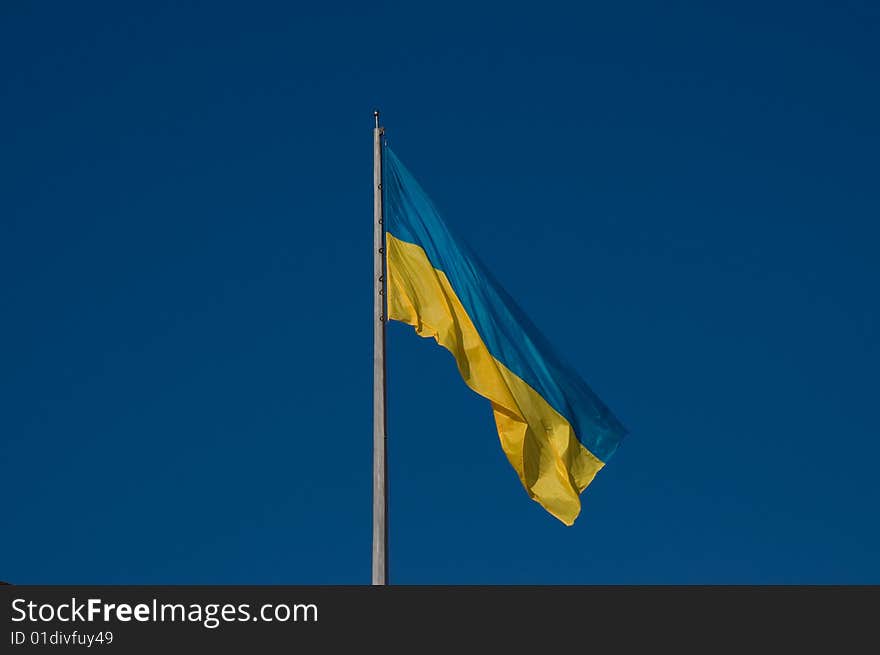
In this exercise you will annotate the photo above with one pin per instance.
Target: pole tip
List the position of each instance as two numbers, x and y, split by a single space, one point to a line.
376 116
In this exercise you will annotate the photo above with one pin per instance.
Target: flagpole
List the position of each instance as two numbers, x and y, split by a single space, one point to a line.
380 448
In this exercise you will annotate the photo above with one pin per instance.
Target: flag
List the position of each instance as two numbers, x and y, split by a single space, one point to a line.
556 433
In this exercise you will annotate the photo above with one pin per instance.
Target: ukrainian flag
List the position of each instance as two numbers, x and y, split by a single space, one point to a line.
555 431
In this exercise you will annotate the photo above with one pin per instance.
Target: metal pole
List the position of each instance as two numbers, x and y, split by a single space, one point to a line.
380 448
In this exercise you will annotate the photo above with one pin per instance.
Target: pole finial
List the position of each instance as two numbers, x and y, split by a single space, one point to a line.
376 116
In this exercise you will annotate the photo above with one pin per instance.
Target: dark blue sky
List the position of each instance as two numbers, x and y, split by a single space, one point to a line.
683 197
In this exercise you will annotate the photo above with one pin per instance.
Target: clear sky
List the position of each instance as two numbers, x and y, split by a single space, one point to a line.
683 197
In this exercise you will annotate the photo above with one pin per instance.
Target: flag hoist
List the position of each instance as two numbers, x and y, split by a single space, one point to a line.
380 445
